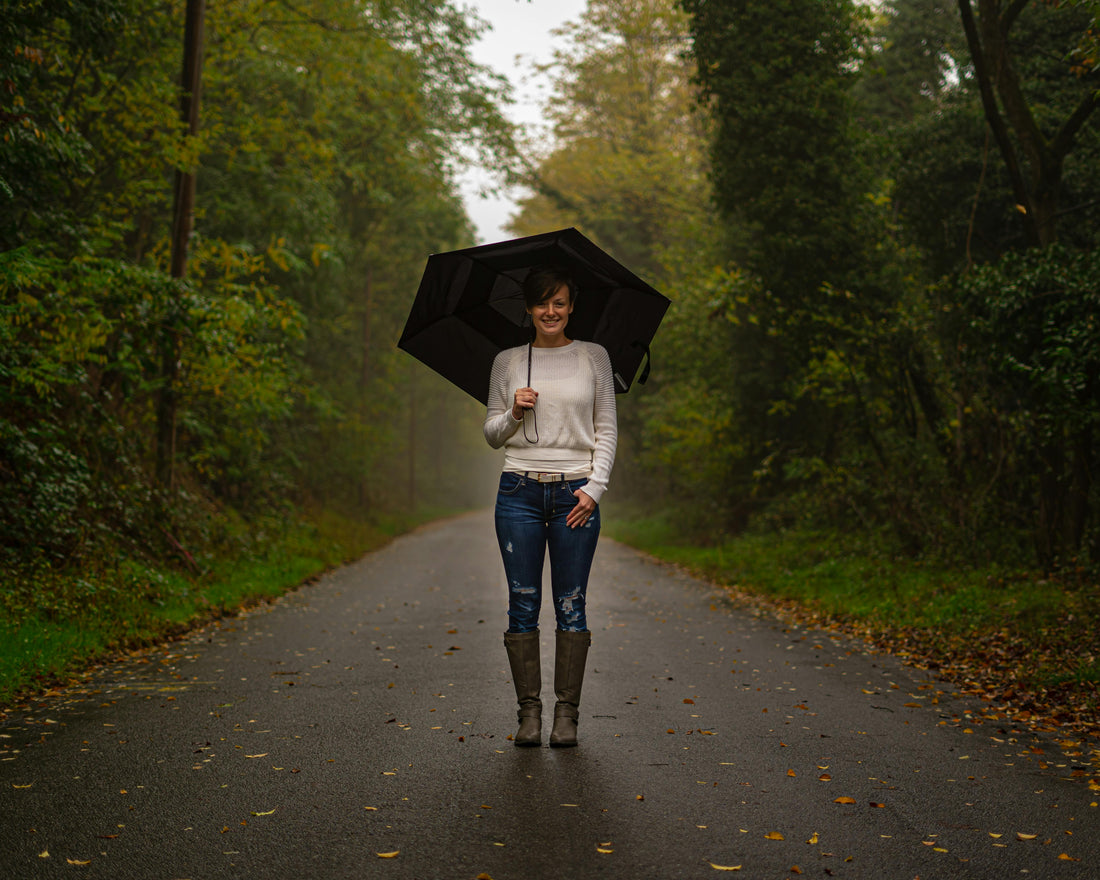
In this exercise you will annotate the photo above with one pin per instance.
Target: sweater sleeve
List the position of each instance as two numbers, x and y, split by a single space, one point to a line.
605 422
499 424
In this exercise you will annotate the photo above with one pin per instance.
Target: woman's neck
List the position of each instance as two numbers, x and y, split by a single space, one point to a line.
553 342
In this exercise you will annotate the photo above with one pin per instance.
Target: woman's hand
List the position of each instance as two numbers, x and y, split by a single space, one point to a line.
580 514
525 400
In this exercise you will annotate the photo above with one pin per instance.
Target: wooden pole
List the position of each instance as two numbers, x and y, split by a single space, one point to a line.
183 217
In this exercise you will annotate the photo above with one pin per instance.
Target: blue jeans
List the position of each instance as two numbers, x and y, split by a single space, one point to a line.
530 516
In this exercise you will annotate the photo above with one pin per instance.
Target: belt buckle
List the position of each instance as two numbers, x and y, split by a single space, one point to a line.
548 477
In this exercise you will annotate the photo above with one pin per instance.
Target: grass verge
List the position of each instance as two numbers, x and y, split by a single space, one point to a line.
60 622
1015 638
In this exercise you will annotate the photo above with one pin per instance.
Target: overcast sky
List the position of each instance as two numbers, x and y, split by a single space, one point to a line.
519 27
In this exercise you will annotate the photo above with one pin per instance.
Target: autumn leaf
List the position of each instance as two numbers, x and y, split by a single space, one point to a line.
389 855
22 787
600 849
844 800
1021 836
268 813
1065 857
78 861
483 876
773 835
724 867
813 838
825 777
795 869
791 773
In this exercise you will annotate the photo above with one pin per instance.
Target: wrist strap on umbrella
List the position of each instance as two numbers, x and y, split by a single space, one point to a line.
534 418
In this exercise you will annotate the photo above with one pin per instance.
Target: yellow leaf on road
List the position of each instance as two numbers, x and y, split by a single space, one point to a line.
268 813
773 835
389 855
600 849
78 862
724 867
791 773
28 785
1066 857
261 755
844 800
1021 836
813 838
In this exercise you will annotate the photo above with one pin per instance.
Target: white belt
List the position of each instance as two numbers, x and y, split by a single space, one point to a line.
548 477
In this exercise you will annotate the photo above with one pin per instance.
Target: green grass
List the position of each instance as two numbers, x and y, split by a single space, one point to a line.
57 623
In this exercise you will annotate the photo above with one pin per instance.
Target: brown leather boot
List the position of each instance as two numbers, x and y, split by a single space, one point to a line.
571 652
524 660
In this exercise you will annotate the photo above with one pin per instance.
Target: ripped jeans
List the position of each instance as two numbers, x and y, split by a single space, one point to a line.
530 516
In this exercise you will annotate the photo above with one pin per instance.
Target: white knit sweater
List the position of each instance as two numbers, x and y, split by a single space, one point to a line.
577 429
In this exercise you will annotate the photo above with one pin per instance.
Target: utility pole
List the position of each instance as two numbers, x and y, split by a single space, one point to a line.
183 218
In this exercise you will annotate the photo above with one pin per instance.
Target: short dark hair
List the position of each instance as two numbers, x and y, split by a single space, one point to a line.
542 281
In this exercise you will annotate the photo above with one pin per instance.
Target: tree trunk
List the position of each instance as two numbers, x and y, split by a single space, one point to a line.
182 222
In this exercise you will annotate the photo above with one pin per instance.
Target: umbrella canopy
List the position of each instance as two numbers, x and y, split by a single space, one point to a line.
470 306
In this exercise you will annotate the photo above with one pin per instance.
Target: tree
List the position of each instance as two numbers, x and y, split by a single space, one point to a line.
1033 142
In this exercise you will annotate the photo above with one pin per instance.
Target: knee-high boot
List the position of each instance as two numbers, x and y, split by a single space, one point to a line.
570 656
524 660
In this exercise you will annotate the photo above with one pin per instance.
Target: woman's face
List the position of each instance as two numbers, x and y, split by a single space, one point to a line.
550 317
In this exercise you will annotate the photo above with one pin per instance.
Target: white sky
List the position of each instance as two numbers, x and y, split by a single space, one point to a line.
519 28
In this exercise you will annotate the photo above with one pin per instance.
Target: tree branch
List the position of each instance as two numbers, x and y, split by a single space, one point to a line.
1008 18
1063 140
992 112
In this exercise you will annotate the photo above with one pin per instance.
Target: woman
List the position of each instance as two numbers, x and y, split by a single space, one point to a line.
552 408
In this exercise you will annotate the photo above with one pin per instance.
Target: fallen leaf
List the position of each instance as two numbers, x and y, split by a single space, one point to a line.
844 800
873 804
825 777
45 854
600 849
389 855
773 835
484 876
28 785
78 862
261 755
268 813
371 809
994 836
795 869
724 867
813 838
791 773
640 797
688 701
1065 857
1021 836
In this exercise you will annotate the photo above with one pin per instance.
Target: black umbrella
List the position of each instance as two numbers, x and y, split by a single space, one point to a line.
470 306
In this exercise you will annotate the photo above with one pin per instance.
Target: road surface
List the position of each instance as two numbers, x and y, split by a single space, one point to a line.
358 728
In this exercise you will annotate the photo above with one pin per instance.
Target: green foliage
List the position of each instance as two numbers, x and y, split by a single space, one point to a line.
324 161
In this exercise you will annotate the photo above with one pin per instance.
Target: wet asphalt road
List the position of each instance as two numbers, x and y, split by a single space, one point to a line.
369 714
